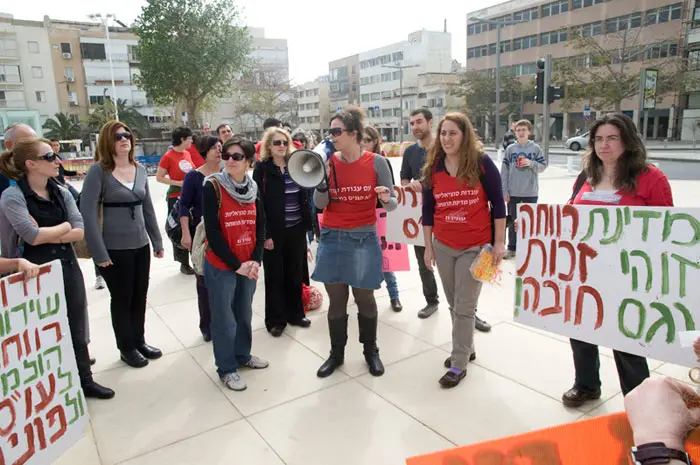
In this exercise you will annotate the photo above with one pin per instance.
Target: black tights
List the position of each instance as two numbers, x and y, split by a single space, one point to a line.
338 295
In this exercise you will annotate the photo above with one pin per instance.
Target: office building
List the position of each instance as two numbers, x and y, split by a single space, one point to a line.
344 82
313 105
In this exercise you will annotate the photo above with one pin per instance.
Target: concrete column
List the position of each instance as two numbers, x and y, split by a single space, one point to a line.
655 127
671 122
638 118
565 126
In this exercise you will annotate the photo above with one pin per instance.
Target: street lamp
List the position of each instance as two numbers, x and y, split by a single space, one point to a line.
104 19
400 68
498 25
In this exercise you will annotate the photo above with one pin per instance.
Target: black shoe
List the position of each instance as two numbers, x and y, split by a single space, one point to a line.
186 269
338 329
448 360
452 379
97 391
376 367
150 352
396 305
134 359
276 331
481 325
576 397
302 322
427 311
206 337
92 361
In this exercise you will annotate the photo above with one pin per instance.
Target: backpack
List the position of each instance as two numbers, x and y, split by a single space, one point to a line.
173 227
199 242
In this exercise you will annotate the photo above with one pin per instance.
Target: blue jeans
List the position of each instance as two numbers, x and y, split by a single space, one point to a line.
391 285
231 305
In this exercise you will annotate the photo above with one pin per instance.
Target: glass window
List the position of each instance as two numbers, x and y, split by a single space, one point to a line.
635 20
65 47
544 38
576 4
597 28
492 49
546 10
564 6
37 72
664 14
676 11
40 96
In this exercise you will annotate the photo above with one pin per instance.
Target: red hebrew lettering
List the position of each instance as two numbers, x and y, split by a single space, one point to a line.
5 344
18 278
553 257
46 398
410 228
55 326
536 292
556 308
567 304
558 221
542 214
586 251
7 404
400 197
37 338
414 202
27 346
51 416
39 425
29 453
3 291
46 269
527 209
530 245
582 291
28 404
572 266
551 221
572 212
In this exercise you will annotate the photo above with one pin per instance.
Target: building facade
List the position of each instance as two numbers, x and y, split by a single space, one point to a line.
691 114
344 82
313 105
544 28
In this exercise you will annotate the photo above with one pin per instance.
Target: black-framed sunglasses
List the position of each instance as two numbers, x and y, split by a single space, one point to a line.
236 156
335 132
122 135
50 157
277 143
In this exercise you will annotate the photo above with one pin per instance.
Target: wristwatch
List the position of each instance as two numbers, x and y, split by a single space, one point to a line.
656 453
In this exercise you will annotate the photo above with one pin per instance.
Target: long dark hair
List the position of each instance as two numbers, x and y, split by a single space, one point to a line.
372 132
630 164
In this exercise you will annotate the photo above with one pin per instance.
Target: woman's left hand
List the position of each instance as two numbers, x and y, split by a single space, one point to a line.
383 193
159 253
499 251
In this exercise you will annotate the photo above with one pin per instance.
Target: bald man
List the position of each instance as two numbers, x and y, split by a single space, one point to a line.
12 133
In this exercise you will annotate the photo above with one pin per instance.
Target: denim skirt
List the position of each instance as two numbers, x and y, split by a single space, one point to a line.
348 257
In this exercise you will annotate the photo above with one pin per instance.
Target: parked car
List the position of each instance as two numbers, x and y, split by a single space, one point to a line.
576 143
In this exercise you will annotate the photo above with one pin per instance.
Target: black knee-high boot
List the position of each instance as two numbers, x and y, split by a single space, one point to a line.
368 338
338 329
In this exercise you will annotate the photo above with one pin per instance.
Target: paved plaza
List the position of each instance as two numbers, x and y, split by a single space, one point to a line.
176 411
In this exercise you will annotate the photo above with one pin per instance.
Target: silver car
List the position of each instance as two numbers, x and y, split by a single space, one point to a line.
577 143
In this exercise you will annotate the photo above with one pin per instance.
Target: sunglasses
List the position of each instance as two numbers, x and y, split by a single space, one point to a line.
335 132
277 143
236 156
50 157
122 135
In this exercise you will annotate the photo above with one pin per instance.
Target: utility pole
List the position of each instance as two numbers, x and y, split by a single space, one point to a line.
104 19
545 111
400 68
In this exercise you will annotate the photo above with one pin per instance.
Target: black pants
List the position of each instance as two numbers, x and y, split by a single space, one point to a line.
181 255
127 281
513 213
427 277
203 304
632 369
284 266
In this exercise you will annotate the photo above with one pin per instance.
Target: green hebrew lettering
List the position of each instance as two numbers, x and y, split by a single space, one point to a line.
666 319
664 274
687 316
646 215
6 386
2 327
628 216
8 327
683 262
618 229
591 225
33 366
518 294
625 262
671 218
69 377
57 350
621 318
21 308
643 255
77 404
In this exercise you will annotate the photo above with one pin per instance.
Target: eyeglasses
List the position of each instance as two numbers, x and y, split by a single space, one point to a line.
367 140
50 157
277 143
235 156
335 132
122 135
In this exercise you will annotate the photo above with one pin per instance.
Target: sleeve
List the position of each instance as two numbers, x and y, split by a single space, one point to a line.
391 170
215 237
14 206
493 188
505 173
164 162
660 194
428 217
89 207
405 173
539 163
74 217
149 216
69 172
188 192
384 179
259 230
321 199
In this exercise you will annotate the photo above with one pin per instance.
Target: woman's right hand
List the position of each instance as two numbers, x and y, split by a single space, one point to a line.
186 240
429 257
269 244
29 269
105 264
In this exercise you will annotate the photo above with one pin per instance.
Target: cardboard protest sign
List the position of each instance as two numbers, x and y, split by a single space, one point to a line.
43 411
620 277
404 223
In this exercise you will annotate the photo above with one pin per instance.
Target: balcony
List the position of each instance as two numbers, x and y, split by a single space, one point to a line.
10 81
11 103
133 58
9 54
106 81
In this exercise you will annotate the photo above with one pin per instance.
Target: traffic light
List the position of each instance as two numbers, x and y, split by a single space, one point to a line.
539 86
555 93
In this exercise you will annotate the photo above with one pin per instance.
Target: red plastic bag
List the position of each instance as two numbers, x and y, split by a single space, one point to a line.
311 298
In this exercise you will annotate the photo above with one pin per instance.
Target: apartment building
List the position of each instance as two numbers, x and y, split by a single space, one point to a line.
313 105
344 82
691 114
547 28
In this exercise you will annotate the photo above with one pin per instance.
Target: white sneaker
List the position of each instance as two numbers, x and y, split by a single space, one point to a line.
257 363
100 283
234 382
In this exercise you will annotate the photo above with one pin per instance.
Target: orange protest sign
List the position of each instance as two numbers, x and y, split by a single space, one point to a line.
602 441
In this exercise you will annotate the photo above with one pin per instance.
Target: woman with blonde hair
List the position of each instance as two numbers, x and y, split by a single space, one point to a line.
120 245
463 212
44 216
287 219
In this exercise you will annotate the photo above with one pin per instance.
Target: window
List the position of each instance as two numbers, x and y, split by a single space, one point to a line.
40 96
386 94
37 72
97 100
525 42
664 14
554 37
694 60
398 56
66 48
492 49
387 113
93 51
588 30
33 46
623 23
10 74
576 4
376 96
2 95
555 8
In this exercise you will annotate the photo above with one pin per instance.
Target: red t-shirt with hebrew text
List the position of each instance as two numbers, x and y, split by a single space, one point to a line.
355 191
238 227
462 217
653 190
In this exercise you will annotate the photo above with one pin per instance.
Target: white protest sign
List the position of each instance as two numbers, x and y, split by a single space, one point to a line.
620 277
43 411
403 225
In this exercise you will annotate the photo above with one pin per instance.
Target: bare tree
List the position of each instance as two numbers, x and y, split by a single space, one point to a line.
266 93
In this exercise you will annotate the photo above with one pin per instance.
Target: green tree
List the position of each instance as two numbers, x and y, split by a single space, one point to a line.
190 49
61 127
267 93
103 113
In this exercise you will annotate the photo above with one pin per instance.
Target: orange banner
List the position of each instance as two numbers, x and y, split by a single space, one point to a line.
601 441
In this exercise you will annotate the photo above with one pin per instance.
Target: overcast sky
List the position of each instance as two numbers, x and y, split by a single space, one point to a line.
308 25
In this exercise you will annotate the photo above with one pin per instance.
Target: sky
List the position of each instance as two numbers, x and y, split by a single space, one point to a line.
317 31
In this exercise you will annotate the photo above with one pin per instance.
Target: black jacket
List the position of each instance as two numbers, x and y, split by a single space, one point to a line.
509 138
270 182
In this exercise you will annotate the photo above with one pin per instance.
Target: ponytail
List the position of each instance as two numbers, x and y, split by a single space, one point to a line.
7 165
12 162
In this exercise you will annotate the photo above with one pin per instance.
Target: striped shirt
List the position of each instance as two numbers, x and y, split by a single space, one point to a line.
292 206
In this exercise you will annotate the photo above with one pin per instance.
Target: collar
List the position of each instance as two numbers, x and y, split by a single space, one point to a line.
51 186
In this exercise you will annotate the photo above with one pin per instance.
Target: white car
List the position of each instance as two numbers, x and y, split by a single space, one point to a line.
577 143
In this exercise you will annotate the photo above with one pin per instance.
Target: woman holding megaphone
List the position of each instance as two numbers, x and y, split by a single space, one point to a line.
349 254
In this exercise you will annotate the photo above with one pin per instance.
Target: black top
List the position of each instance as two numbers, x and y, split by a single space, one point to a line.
509 138
4 183
217 243
62 173
413 161
271 186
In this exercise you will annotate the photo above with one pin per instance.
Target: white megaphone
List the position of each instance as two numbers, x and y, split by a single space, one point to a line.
306 168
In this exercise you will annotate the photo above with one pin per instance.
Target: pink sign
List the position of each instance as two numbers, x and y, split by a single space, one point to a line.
394 256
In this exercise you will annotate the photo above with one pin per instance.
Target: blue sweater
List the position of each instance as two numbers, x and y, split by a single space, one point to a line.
191 197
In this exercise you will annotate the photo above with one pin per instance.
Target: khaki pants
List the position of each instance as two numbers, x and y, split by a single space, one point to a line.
462 292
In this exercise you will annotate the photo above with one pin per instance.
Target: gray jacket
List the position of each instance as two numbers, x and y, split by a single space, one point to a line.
124 227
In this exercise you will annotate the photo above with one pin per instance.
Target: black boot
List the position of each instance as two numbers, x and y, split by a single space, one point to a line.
90 388
338 330
368 338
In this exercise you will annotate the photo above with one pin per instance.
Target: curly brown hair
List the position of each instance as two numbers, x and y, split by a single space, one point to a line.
631 163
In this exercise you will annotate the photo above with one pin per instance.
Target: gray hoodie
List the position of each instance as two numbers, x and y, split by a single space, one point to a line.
522 181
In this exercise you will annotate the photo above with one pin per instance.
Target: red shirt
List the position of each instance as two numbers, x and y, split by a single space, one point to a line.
462 217
177 165
653 190
238 227
297 145
355 190
197 159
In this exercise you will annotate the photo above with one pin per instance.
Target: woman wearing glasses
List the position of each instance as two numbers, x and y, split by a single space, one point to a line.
234 221
45 218
287 219
120 245
349 254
